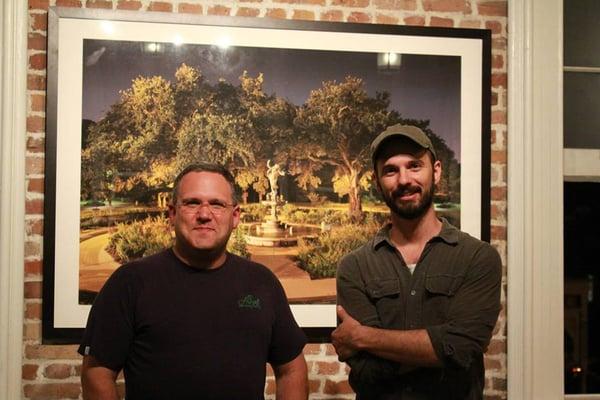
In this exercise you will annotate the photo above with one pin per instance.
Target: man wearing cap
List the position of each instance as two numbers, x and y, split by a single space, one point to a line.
417 304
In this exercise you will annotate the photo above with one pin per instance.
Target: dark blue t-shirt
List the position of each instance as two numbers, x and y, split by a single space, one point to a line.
180 333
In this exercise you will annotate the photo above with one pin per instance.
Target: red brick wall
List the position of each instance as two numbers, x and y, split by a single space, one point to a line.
52 372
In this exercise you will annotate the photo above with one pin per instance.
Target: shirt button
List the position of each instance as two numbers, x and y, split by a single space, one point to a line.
413 292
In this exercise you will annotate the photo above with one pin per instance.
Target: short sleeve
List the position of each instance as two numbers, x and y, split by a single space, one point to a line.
287 339
109 330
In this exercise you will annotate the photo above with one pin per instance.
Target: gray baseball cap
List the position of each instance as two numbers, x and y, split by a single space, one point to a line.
402 131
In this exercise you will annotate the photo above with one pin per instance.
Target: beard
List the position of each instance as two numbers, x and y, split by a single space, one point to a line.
409 210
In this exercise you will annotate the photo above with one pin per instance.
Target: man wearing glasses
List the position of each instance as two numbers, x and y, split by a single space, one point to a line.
194 321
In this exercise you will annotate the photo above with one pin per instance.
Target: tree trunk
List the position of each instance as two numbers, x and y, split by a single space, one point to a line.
354 202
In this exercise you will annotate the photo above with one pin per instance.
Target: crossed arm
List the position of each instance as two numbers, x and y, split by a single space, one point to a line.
375 353
411 347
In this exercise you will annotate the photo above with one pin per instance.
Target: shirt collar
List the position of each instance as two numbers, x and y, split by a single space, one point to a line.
448 234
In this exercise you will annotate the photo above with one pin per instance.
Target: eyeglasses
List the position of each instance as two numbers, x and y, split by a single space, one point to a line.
216 207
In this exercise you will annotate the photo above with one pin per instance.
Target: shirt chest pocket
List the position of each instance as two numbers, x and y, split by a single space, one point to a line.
385 294
439 292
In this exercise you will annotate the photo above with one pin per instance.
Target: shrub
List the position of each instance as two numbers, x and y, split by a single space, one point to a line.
91 218
237 244
320 256
313 216
139 239
253 212
286 211
377 218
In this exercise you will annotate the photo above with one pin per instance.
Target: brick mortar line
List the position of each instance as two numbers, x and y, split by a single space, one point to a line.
34 196
42 362
34 236
323 352
31 133
31 218
336 377
30 321
44 380
33 279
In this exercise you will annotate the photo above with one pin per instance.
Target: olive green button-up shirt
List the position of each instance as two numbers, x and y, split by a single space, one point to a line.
454 294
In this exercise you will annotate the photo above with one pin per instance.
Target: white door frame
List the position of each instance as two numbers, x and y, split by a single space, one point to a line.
13 111
535 197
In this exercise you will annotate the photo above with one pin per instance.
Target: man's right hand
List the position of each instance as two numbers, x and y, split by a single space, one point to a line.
342 337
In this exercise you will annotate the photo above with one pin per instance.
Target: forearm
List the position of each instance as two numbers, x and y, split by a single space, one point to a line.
100 392
291 380
97 382
291 388
371 369
95 389
411 347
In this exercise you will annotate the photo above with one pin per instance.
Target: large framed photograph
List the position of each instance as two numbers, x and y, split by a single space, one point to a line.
289 107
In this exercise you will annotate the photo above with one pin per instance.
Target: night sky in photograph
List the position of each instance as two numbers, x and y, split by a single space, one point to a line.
425 87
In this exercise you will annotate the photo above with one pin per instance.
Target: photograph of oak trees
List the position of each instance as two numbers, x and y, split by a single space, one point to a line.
303 118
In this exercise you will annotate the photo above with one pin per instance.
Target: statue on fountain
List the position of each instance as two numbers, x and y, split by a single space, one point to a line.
272 232
273 173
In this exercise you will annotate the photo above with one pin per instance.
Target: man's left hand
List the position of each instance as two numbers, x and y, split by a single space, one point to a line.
343 337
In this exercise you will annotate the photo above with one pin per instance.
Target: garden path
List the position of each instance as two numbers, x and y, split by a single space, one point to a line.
95 264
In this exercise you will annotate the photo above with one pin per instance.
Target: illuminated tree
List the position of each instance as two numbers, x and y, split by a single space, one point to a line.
335 127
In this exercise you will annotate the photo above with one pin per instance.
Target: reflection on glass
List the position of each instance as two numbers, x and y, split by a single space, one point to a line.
581 105
581 32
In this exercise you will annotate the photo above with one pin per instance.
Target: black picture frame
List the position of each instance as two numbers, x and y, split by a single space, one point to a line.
61 228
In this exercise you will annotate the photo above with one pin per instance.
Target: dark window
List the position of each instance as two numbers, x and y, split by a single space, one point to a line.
582 287
581 33
582 109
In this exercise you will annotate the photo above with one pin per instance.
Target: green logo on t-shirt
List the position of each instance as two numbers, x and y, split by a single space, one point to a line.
249 301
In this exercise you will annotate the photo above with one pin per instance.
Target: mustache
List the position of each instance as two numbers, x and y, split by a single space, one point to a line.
404 190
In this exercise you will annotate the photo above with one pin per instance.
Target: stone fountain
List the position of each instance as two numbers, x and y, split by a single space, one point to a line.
272 232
